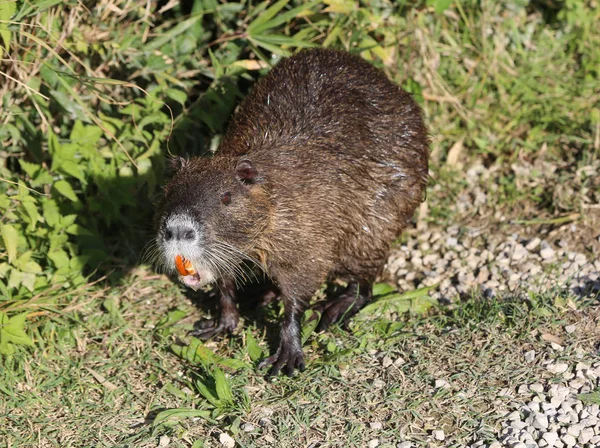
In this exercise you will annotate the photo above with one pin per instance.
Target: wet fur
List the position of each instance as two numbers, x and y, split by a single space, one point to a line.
340 158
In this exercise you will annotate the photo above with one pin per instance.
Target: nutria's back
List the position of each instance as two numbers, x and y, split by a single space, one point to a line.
344 148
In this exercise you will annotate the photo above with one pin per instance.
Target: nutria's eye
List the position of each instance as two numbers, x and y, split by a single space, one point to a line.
226 198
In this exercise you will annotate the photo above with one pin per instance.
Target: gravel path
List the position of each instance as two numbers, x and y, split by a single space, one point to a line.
464 261
561 411
554 415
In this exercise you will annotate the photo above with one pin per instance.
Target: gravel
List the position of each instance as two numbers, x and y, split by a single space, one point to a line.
553 415
494 265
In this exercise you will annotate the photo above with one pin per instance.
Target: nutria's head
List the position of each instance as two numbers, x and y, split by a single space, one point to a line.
212 213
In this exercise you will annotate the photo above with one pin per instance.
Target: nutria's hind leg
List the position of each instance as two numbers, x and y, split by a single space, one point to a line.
229 316
341 308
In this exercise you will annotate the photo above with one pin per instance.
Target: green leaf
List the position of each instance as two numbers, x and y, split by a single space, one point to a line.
282 18
169 36
71 168
441 5
110 305
77 229
10 237
59 258
417 301
254 350
51 213
206 393
181 413
177 95
267 15
64 188
222 386
7 9
14 330
171 318
382 289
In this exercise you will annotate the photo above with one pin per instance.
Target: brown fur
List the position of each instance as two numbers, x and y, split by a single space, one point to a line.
339 157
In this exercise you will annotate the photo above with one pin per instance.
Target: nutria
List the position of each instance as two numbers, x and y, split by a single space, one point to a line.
320 170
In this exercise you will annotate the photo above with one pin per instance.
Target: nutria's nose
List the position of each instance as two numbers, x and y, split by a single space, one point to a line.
179 232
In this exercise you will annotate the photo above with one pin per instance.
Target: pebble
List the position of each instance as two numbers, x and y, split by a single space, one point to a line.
536 387
438 434
530 356
559 367
441 384
373 443
405 445
248 427
226 440
378 383
547 253
376 425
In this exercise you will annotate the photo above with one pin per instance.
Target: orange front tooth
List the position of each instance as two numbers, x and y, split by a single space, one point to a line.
180 265
188 267
184 266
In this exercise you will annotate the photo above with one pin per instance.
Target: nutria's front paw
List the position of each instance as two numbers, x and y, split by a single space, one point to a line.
287 355
209 328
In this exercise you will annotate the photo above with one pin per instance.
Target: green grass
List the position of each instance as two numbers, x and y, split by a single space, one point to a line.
93 98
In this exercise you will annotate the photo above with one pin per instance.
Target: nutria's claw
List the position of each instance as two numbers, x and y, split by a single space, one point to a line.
290 358
209 328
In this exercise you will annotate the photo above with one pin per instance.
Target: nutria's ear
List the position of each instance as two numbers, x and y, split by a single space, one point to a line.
174 164
246 172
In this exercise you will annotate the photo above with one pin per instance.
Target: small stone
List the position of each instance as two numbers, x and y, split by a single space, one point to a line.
518 425
568 440
399 361
540 421
376 425
577 383
405 445
532 244
378 383
515 415
438 434
226 440
595 441
163 441
248 427
441 384
547 253
570 328
374 443
530 356
495 444
386 362
559 367
550 437
537 388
